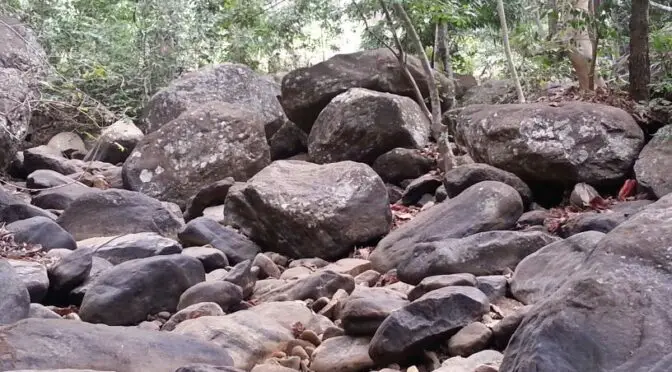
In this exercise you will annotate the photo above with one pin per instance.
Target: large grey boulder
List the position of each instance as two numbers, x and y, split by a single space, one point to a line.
117 212
306 91
543 272
223 83
53 344
485 206
486 253
566 143
128 292
361 124
203 145
122 248
612 313
653 164
302 209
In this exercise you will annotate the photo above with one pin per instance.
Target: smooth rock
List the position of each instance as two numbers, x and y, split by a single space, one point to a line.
211 258
56 343
462 177
15 304
192 312
126 212
342 354
122 248
128 292
225 294
205 231
34 276
431 283
409 330
365 309
401 164
43 231
653 162
212 194
488 205
486 253
316 285
470 339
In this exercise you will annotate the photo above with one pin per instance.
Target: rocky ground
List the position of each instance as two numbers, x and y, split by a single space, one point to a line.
245 225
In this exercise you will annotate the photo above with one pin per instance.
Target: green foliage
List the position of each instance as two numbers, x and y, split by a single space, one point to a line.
120 52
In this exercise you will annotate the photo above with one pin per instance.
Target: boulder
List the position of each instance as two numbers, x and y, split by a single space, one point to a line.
43 231
563 143
402 164
251 336
432 283
205 231
470 339
543 272
205 144
460 178
602 221
20 49
34 276
115 142
128 292
490 92
116 212
306 91
67 143
288 141
365 309
486 253
224 83
361 125
623 287
225 294
342 354
60 197
654 161
48 344
15 92
21 211
302 209
122 248
407 331
98 266
212 194
15 302
68 273
485 206
211 258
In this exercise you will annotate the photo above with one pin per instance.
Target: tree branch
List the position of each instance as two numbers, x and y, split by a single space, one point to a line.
660 6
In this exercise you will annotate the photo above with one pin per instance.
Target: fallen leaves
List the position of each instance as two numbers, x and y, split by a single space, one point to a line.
402 214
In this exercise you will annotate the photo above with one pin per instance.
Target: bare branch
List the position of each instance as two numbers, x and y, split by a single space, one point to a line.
660 6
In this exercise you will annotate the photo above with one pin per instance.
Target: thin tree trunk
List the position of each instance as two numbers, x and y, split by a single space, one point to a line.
552 18
507 50
436 46
444 57
639 64
437 126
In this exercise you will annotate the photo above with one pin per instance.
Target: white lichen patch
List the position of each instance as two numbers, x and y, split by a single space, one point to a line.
146 175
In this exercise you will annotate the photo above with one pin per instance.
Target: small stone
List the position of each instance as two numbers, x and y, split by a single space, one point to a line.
277 258
494 286
412 369
299 352
225 294
266 265
469 340
367 278
332 308
192 312
311 337
211 258
163 315
309 350
351 266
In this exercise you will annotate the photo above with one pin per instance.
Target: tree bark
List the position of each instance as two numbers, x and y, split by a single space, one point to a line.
507 50
639 64
435 101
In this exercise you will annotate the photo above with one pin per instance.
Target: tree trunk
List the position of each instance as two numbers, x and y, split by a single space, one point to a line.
581 50
435 101
507 50
552 18
444 56
639 65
